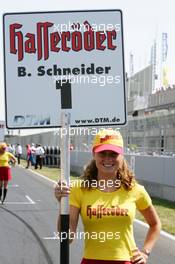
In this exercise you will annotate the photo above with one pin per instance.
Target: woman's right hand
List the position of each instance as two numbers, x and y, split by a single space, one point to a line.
61 190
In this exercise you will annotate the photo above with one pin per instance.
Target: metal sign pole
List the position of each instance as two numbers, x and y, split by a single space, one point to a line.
65 174
132 163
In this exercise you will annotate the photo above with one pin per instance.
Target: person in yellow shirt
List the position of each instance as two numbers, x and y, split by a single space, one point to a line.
5 171
107 196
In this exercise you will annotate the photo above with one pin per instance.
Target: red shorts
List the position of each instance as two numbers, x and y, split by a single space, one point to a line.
95 261
5 174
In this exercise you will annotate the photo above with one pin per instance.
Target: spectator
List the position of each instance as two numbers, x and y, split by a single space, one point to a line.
9 148
18 152
30 156
33 150
39 153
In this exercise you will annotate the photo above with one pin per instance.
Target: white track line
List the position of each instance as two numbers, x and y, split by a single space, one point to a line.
50 238
30 200
16 203
13 186
42 176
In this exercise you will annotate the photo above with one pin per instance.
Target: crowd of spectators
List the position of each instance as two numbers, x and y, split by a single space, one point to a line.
34 154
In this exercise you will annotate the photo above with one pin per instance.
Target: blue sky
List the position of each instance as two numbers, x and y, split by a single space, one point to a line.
143 20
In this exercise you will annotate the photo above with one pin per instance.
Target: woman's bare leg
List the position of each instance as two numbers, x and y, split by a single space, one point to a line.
5 191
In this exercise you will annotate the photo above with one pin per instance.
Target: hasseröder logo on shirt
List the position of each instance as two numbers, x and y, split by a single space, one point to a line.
99 211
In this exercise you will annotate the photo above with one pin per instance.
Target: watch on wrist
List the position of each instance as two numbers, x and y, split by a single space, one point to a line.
146 251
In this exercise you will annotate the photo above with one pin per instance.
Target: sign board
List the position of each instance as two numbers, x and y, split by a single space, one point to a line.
2 130
69 61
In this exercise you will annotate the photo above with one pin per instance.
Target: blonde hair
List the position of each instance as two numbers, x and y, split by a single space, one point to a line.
124 174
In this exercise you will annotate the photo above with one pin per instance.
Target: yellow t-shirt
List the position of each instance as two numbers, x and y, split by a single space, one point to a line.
4 159
108 220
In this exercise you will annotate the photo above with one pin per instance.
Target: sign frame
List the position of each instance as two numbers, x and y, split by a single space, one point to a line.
98 121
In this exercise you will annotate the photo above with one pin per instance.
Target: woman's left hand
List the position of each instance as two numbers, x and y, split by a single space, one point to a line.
139 257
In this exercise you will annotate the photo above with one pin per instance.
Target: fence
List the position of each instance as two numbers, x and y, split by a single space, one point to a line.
52 156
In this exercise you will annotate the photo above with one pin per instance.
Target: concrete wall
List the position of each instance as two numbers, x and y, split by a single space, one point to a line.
157 174
45 139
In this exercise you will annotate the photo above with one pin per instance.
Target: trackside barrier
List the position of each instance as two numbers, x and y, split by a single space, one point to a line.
44 158
47 153
52 156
